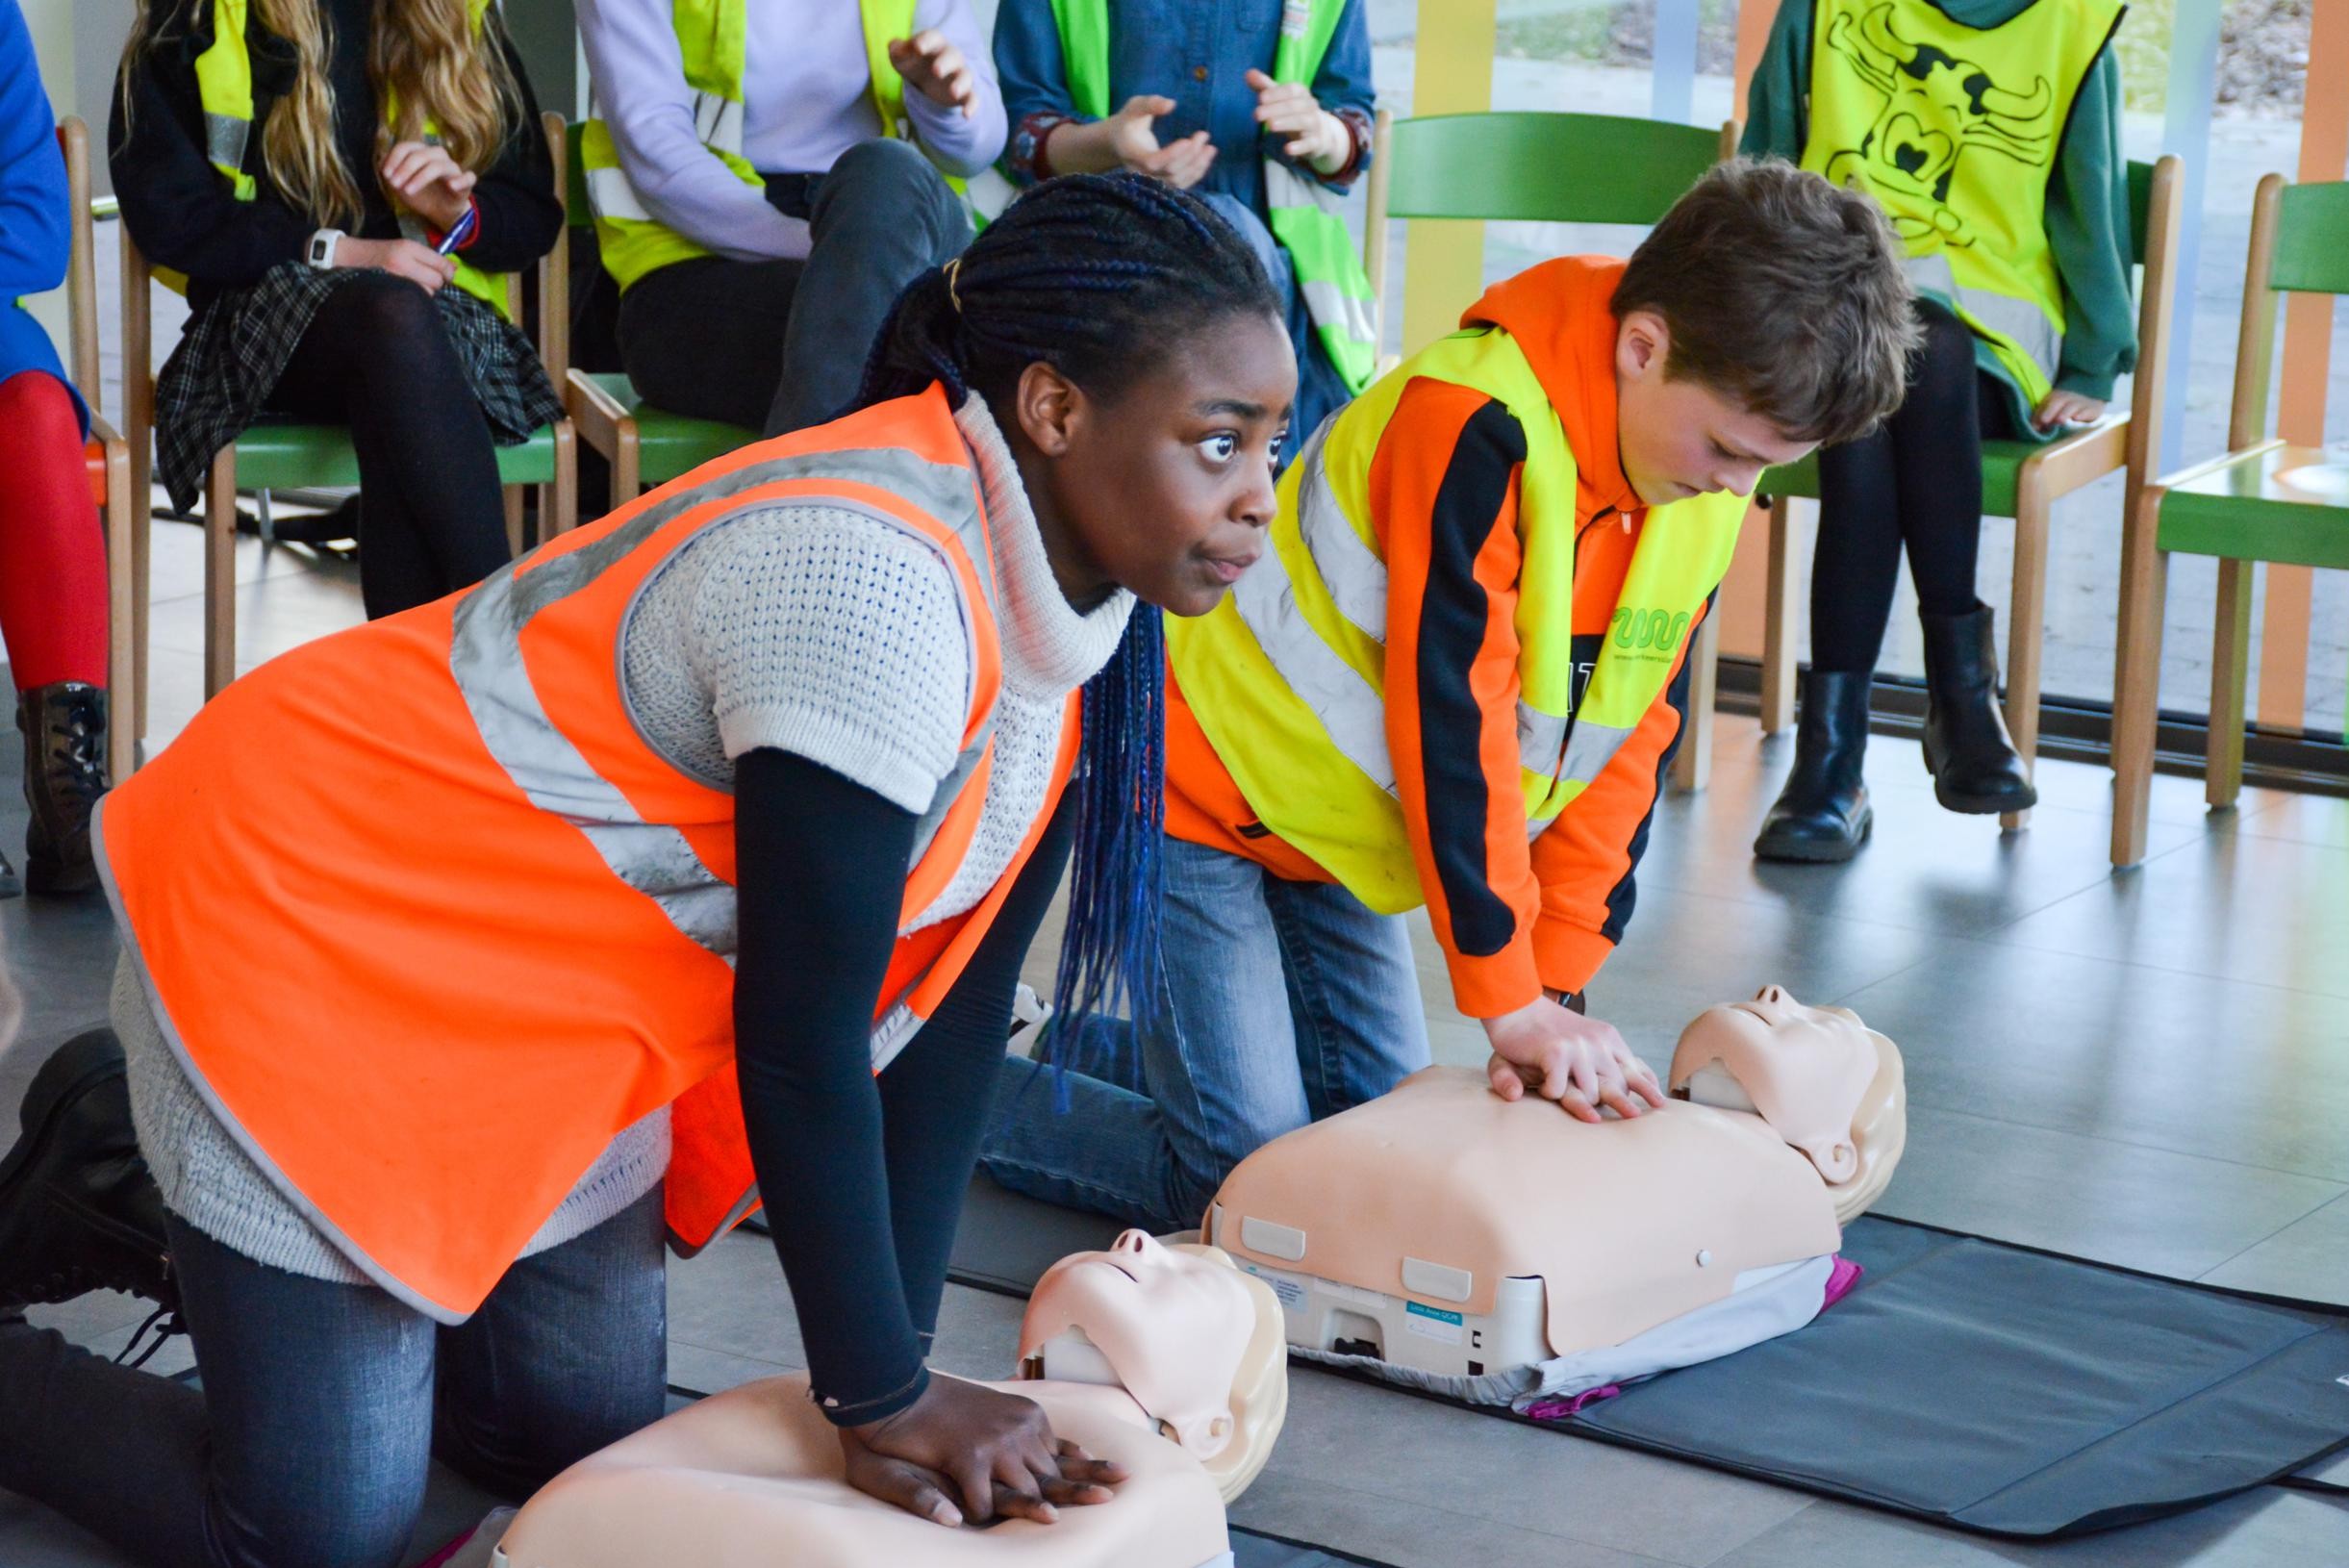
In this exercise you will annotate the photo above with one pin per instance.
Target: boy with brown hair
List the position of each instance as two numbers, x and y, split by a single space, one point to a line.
1455 679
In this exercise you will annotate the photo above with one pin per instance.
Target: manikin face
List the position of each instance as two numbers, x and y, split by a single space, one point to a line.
1171 1326
1679 437
1816 1074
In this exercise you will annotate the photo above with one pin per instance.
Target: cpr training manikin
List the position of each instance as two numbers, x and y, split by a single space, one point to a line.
1500 1252
1504 1253
1165 1359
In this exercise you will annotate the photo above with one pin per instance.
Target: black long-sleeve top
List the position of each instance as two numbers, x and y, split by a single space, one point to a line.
184 216
864 1174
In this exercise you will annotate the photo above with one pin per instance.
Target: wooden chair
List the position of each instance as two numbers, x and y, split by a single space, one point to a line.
2020 479
1547 168
108 458
2265 500
283 453
644 444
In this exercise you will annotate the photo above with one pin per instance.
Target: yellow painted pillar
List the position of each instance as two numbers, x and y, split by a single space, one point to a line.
1443 260
2308 354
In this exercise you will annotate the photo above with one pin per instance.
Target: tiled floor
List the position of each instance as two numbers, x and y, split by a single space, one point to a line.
2151 1069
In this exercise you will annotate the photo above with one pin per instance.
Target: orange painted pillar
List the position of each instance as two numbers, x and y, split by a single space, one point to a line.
2308 362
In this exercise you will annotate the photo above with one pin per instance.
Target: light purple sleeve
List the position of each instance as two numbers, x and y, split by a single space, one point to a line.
960 146
639 73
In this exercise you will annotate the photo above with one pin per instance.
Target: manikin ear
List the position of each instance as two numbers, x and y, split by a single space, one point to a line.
1050 409
1643 345
1204 1436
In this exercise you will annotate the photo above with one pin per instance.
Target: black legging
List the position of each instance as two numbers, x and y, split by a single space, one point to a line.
377 359
1916 481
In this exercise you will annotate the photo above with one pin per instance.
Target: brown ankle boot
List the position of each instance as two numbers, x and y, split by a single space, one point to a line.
64 772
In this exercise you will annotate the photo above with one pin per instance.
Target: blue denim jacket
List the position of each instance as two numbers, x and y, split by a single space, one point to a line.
1197 52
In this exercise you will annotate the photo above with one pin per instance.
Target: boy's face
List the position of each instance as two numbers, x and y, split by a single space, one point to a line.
1678 438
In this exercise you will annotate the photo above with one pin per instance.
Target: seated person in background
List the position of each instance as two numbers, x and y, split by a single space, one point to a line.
1456 678
306 178
1261 106
52 551
766 178
2014 214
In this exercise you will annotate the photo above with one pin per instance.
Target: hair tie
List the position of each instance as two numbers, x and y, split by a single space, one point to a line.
953 269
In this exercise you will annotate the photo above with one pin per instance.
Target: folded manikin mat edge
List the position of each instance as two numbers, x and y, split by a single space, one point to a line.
1973 1383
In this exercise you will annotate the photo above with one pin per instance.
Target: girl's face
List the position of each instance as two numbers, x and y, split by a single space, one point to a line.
1167 490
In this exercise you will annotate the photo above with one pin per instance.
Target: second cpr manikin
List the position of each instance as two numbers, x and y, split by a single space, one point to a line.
1508 1253
1165 1359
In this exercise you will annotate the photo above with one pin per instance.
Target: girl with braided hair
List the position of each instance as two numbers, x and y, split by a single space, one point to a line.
699 849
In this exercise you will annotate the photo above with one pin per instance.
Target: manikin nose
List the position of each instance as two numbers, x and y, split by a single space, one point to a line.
1135 1244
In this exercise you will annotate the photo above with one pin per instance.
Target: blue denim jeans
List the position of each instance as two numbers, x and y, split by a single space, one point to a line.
307 1446
1282 1003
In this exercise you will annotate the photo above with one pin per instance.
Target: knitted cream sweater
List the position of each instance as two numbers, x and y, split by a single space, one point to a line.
814 630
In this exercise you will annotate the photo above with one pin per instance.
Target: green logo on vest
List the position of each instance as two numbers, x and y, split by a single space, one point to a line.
1936 107
1660 630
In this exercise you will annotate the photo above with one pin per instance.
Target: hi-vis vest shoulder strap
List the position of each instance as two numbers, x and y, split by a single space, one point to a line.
1287 677
504 929
1306 217
1955 131
224 86
714 38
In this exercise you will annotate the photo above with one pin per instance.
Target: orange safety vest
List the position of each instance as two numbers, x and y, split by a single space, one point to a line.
428 921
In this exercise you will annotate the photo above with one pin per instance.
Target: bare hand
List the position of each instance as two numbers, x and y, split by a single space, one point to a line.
1580 1062
419 264
429 183
1181 164
935 68
1314 134
2061 408
995 1449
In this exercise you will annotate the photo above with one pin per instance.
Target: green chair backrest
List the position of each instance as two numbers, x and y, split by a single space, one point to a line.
1543 168
2312 240
576 211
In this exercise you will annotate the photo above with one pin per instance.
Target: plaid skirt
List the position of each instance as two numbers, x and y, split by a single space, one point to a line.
218 379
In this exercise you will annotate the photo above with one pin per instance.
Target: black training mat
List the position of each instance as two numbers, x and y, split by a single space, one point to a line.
2010 1391
1968 1382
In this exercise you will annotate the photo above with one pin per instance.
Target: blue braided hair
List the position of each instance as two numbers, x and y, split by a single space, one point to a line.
1101 277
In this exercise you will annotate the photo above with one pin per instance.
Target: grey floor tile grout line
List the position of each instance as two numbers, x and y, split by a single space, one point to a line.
1809 1503
2341 1188
1371 1551
2271 1237
2319 997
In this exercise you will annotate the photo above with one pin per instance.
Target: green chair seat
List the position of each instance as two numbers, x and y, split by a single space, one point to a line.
284 453
669 445
2001 464
2284 504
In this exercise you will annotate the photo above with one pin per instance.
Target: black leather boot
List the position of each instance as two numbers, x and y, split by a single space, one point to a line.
1823 813
64 772
79 1210
1967 749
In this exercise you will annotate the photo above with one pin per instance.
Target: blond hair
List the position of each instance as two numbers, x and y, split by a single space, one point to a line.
424 57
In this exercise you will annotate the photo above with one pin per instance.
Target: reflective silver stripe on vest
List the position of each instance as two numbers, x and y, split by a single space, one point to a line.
2017 319
1329 304
1350 569
485 658
1540 738
224 137
1348 706
719 121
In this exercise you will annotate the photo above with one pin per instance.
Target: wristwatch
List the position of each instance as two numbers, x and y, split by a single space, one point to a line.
322 245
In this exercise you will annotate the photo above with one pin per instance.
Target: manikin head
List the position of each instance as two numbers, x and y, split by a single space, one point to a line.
1825 1082
1196 1343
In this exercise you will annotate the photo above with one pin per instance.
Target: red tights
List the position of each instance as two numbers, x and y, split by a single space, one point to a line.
52 547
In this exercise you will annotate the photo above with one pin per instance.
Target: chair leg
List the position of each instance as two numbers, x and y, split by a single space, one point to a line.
627 467
565 491
220 574
2025 633
142 585
2230 663
2136 684
1692 768
513 498
121 640
1778 623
